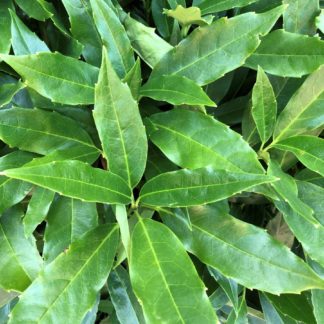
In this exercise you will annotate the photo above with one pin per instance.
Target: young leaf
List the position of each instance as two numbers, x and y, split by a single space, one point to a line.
164 278
119 125
75 179
216 45
308 149
212 6
122 220
63 279
288 54
5 39
183 136
195 187
176 90
60 78
20 260
264 106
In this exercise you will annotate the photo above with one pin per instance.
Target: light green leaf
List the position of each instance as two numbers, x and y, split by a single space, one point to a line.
288 54
68 219
8 91
37 209
75 179
23 40
134 79
20 260
122 220
61 281
60 78
176 90
195 187
184 137
37 9
320 21
164 278
217 45
303 112
239 316
5 39
113 36
308 149
119 125
264 106
310 176
212 6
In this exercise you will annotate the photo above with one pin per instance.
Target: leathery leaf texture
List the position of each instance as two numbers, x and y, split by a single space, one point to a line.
161 161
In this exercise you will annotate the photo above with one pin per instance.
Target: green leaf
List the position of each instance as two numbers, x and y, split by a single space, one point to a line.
195 187
5 39
84 267
216 45
37 209
119 125
37 9
318 294
303 112
271 315
264 106
212 6
23 40
288 54
308 149
184 137
68 219
113 36
60 78
8 91
122 220
219 240
176 90
320 21
75 179
164 278
20 261
134 79
310 176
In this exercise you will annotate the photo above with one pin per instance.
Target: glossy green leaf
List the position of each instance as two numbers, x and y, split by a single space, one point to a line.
184 137
119 125
75 179
134 79
164 278
195 187
60 78
5 39
264 106
176 90
68 219
23 40
303 112
211 6
20 260
37 9
308 149
37 209
8 91
217 45
288 54
61 281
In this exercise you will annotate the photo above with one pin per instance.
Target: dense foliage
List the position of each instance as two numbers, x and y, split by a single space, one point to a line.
167 175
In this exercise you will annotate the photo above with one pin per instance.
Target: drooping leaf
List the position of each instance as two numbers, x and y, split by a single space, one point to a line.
288 54
60 78
20 260
75 179
8 91
5 39
196 187
183 136
164 278
217 45
119 125
212 6
64 278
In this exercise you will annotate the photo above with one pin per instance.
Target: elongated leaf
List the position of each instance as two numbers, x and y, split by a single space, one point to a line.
217 239
37 9
23 40
42 132
113 36
119 125
217 45
196 187
271 315
211 6
176 90
37 209
288 54
264 106
318 294
8 90
308 149
75 179
63 280
20 261
303 112
134 79
122 220
164 278
184 137
60 78
5 39
68 219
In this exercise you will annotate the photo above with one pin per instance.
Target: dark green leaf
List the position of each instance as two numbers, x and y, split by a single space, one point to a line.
211 6
5 39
